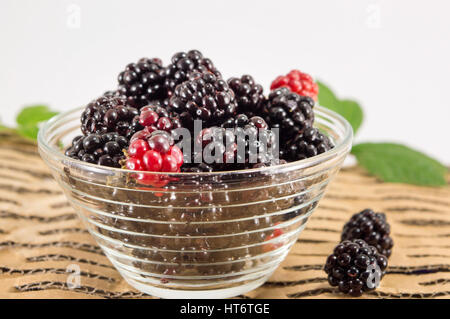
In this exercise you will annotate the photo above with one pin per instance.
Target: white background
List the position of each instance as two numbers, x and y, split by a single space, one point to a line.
391 55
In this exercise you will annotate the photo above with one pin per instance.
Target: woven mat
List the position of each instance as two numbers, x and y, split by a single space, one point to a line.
41 237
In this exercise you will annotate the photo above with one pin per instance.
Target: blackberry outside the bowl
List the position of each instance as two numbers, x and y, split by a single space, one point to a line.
142 82
102 149
203 97
184 63
355 267
249 95
109 113
373 228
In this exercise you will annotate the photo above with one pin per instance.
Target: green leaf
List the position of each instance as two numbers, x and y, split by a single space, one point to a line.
397 163
352 112
32 115
326 96
349 109
29 118
28 131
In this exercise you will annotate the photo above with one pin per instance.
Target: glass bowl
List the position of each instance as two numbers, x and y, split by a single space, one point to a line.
204 235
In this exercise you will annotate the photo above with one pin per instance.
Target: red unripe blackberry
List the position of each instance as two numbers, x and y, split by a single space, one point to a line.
154 152
298 82
142 82
355 267
249 95
203 97
289 112
102 149
109 113
184 63
373 228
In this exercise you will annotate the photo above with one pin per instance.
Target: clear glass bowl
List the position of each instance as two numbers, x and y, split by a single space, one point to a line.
205 235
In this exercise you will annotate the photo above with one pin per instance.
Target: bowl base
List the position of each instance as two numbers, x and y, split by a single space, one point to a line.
197 294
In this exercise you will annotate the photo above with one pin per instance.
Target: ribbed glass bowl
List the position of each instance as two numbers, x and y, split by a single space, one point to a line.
204 235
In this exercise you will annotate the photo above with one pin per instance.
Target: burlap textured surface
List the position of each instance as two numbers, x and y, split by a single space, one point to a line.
42 240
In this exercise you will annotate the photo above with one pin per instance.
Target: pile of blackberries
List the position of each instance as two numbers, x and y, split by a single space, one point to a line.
151 96
359 262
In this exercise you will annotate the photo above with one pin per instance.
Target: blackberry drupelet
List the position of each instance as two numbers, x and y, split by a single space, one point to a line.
203 97
109 113
102 149
183 64
242 120
249 95
288 111
372 228
307 143
355 267
142 82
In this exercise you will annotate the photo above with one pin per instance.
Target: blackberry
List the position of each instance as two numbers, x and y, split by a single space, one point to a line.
355 267
102 149
142 82
371 227
249 95
109 113
288 111
204 97
307 143
183 64
237 147
242 120
155 117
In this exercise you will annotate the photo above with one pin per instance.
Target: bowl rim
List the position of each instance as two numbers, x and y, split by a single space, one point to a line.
328 114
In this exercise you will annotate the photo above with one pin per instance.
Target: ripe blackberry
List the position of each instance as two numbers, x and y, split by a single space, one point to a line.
355 267
102 149
249 95
183 64
142 82
204 97
372 228
290 112
237 147
109 113
308 143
